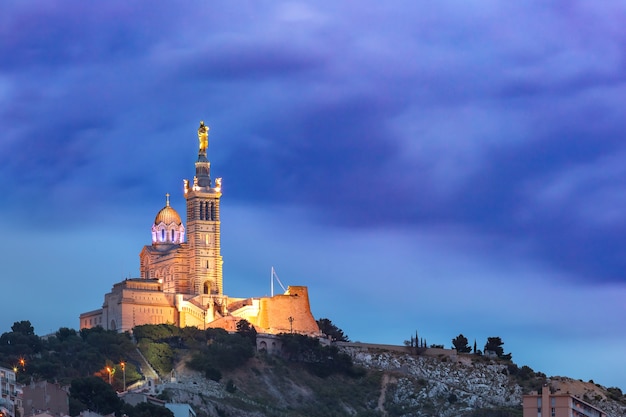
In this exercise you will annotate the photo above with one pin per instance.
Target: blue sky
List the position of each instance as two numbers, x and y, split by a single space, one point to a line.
447 168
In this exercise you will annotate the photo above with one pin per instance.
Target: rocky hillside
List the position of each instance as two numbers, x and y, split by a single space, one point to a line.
442 386
393 384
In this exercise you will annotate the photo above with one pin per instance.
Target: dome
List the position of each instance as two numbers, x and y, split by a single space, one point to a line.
167 228
167 215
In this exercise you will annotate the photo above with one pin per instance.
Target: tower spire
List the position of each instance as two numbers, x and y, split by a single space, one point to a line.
167 199
203 224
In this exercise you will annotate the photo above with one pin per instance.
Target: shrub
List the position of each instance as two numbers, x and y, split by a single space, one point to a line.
160 355
230 386
320 360
224 352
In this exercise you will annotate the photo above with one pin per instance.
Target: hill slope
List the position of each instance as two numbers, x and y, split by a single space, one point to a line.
394 384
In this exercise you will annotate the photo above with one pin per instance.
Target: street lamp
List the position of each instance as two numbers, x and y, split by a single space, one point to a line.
291 320
110 371
123 365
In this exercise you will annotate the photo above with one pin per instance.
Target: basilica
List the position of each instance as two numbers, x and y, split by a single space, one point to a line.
181 281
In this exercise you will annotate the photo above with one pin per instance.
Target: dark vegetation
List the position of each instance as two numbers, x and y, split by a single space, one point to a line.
212 350
222 352
494 344
460 343
616 394
321 361
92 393
333 332
528 379
415 344
67 354
88 359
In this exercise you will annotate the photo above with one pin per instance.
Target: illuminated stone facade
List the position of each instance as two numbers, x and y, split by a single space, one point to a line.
181 281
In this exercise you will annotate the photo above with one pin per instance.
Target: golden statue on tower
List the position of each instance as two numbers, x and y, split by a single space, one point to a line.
203 137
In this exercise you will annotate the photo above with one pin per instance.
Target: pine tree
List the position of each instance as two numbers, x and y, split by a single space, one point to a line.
460 344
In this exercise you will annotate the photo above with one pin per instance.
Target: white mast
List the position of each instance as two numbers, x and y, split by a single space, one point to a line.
274 275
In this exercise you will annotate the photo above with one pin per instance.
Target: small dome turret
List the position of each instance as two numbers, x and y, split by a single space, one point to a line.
167 215
168 227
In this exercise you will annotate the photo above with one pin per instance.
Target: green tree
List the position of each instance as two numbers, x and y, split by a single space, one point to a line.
192 337
21 342
223 352
494 344
65 333
329 329
615 393
413 343
24 327
156 332
245 329
460 344
92 393
319 360
160 355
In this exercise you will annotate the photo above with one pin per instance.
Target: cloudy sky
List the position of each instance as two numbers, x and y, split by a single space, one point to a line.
457 167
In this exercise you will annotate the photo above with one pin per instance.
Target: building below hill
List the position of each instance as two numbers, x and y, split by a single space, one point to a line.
548 404
181 281
43 396
11 393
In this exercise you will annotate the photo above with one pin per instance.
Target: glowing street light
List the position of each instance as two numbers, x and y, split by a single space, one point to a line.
123 365
21 363
110 371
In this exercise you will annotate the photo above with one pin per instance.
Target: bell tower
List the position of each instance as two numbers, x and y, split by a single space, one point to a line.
203 224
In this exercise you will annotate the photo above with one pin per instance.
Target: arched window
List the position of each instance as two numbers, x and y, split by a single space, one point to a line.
162 235
206 287
172 235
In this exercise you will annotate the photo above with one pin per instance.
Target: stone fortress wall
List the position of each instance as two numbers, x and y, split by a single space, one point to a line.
287 312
